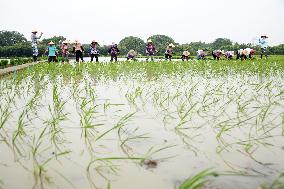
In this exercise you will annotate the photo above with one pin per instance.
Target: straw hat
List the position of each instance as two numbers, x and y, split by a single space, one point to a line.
51 43
264 36
94 41
34 31
150 41
65 42
171 45
76 41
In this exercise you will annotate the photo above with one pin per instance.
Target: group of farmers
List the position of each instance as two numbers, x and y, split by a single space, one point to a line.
150 49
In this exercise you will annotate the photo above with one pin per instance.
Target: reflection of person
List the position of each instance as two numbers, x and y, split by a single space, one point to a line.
113 51
78 50
51 49
263 45
185 55
94 51
150 50
169 52
131 55
64 51
34 39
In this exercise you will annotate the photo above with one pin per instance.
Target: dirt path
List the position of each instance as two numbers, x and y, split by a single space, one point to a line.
8 70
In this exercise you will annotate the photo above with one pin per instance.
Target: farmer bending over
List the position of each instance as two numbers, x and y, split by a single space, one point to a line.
201 54
217 54
78 50
131 55
150 50
169 52
94 51
113 51
185 55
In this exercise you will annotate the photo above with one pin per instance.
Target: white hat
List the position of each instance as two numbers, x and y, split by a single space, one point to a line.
150 41
51 43
171 45
34 31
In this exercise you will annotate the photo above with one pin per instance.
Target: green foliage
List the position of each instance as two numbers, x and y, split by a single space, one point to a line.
221 43
9 38
131 42
3 63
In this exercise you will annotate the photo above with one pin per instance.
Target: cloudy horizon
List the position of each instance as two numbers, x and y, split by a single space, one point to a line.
184 20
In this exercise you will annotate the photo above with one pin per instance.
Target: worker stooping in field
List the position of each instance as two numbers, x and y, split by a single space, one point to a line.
52 52
94 52
263 45
131 55
201 54
78 50
113 51
229 55
246 53
169 52
34 39
185 55
150 50
217 54
65 51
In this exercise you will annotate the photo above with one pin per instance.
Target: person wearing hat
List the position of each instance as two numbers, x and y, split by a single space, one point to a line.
52 51
34 39
113 51
217 54
78 50
263 45
201 54
150 50
131 55
185 55
65 51
229 55
94 51
169 52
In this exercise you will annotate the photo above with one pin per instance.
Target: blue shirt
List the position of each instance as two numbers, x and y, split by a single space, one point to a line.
263 43
51 50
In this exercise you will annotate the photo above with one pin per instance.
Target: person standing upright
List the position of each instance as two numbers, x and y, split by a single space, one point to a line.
113 51
94 51
34 39
263 45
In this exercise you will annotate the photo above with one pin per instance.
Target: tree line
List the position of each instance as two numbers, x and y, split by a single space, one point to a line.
14 44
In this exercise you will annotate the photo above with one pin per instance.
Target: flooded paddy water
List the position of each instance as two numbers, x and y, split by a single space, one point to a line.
142 125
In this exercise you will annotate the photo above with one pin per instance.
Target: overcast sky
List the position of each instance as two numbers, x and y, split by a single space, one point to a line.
111 20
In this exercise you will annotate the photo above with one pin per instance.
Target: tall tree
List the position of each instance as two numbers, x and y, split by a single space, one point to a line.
9 38
219 43
131 42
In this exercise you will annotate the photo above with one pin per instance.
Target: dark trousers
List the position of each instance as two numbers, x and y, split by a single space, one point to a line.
52 59
113 57
35 58
263 51
168 56
96 57
183 57
79 55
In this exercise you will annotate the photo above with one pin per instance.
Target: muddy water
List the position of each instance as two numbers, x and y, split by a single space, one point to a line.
184 124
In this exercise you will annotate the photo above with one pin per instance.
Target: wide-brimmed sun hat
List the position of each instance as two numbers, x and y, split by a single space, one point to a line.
150 41
34 31
264 36
94 41
51 43
171 45
65 42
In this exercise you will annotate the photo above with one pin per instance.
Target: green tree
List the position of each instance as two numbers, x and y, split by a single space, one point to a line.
9 38
131 42
219 43
161 42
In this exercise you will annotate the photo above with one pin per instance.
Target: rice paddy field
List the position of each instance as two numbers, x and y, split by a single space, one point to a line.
156 125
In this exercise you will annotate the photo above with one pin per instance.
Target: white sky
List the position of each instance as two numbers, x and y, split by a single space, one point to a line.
111 20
